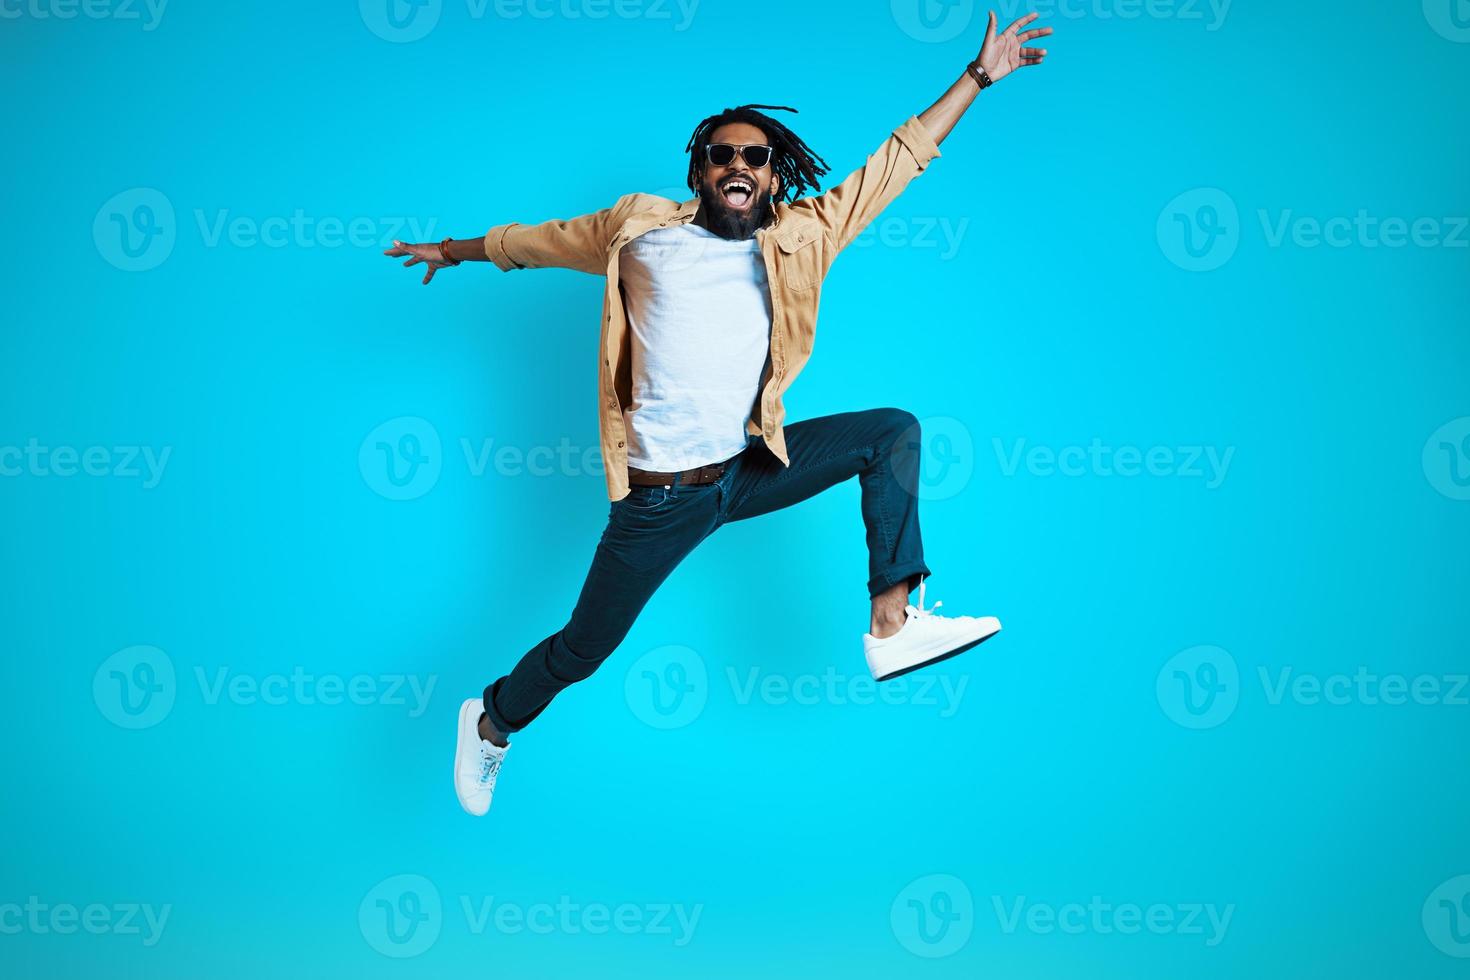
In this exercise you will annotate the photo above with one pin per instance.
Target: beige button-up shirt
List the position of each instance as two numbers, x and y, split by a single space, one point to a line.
798 246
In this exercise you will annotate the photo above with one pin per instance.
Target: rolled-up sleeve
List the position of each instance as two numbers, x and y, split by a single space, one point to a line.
572 243
847 208
920 142
495 247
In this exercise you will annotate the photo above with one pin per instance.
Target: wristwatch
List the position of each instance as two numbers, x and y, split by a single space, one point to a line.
980 75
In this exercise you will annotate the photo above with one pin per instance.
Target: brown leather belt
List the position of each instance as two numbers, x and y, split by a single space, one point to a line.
708 473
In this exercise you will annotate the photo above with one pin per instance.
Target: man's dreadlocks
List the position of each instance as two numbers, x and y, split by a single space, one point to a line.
795 162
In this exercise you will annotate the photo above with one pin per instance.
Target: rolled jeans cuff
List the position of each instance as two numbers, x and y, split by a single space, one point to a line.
895 574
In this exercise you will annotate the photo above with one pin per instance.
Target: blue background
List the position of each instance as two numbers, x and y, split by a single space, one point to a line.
799 830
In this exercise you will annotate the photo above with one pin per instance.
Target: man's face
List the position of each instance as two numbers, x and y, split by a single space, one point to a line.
736 198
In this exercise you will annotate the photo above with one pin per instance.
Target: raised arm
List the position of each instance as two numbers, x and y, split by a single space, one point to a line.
847 208
1000 54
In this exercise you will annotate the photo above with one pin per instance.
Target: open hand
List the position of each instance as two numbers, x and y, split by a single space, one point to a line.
1003 53
427 253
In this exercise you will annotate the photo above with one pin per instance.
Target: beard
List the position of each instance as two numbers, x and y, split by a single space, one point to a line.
726 222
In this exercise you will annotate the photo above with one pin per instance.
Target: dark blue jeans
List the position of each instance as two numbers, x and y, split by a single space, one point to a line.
653 528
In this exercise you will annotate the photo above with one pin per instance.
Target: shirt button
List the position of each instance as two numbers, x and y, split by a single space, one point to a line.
620 444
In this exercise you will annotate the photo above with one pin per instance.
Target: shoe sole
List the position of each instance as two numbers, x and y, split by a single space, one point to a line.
459 745
953 652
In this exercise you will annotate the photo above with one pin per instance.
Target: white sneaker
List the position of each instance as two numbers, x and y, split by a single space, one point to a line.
476 761
925 638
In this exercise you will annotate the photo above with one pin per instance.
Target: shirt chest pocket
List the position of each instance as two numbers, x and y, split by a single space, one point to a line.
801 260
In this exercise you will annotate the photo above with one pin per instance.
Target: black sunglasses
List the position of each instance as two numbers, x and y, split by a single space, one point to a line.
723 154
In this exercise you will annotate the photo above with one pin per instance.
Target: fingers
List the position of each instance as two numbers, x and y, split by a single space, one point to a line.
1032 53
1022 22
990 29
430 274
1033 35
1032 61
413 261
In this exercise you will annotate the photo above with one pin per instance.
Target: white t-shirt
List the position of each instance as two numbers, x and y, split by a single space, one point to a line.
699 317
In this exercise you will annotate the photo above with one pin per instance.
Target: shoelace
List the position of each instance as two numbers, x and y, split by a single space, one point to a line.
489 766
919 610
921 613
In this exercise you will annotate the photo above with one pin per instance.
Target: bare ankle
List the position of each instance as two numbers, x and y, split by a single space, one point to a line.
886 625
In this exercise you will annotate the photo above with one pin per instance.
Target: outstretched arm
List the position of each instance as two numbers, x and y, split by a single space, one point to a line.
1000 55
579 243
847 208
431 254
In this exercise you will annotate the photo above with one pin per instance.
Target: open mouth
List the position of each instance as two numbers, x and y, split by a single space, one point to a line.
738 192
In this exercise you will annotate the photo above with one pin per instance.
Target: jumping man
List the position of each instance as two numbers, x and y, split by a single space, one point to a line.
709 314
